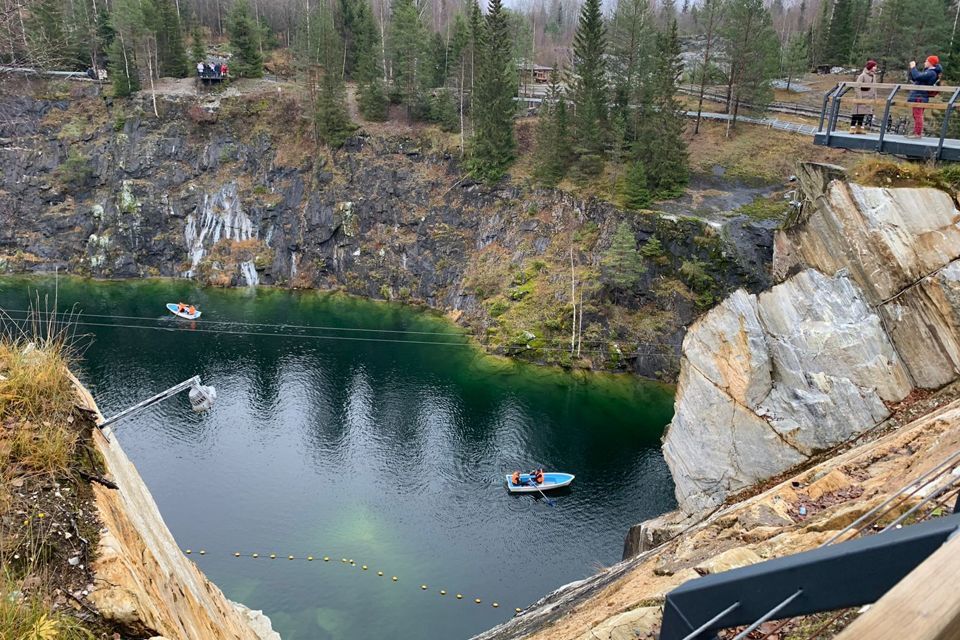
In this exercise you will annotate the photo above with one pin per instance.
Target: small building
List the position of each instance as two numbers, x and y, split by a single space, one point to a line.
534 73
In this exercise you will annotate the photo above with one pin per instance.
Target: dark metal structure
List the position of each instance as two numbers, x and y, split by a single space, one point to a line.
882 136
833 577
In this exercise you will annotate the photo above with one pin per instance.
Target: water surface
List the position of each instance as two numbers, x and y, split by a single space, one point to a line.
391 454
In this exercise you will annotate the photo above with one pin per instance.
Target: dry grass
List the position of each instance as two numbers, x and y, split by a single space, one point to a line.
888 172
24 617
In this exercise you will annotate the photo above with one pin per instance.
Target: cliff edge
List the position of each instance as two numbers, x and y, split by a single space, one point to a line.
142 580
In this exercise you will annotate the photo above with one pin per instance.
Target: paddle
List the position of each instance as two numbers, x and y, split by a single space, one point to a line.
548 500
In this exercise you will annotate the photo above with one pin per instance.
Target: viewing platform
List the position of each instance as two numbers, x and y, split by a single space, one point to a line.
883 134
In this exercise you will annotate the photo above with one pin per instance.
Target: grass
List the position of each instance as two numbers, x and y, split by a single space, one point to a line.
886 172
771 208
26 617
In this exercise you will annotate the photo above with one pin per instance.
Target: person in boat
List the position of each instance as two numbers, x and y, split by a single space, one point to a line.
181 307
191 310
515 479
537 476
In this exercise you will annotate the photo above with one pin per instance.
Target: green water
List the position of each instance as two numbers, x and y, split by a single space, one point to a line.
391 453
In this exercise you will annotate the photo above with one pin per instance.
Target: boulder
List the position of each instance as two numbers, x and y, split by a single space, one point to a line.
768 382
629 625
729 559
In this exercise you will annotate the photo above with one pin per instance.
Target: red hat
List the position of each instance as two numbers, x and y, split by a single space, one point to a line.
933 60
871 64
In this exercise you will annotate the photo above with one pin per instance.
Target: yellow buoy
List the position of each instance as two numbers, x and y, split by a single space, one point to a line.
289 557
443 592
517 610
459 596
202 552
351 561
273 556
379 573
424 587
188 552
326 558
309 558
477 600
394 578
495 605
343 559
236 555
364 567
256 555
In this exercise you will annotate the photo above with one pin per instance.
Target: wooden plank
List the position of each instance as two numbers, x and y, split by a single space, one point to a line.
905 86
923 606
939 106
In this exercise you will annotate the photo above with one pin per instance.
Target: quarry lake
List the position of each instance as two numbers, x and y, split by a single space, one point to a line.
386 444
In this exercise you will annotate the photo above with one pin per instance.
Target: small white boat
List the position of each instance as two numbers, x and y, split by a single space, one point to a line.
551 480
175 310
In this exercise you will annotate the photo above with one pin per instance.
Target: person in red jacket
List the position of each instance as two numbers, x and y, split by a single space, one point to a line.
930 76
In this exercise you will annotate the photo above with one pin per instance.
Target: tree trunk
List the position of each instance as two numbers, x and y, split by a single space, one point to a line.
461 106
703 72
573 300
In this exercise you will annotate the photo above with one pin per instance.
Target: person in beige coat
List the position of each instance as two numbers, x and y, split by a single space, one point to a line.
861 111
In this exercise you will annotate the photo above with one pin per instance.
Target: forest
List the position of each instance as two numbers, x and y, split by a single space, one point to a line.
614 67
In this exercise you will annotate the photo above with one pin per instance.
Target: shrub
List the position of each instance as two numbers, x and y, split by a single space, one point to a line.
75 170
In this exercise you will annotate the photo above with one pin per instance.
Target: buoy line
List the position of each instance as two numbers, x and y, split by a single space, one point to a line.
350 562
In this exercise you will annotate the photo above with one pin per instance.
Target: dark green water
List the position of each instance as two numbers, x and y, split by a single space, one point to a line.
388 454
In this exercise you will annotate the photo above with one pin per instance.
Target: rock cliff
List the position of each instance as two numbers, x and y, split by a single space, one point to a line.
142 580
868 309
237 193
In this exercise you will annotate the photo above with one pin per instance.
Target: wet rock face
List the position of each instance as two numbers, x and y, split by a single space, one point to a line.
111 191
769 381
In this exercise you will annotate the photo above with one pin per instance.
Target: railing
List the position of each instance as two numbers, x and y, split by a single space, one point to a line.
896 97
837 575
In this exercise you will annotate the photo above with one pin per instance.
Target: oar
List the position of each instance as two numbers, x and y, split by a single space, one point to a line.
549 501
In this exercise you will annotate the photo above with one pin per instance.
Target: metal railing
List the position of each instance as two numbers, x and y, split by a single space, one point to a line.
895 96
845 571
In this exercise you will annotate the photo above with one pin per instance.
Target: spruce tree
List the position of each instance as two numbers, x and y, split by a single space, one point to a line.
795 57
751 49
170 50
621 264
408 46
634 192
493 143
371 93
244 42
45 34
124 75
590 89
553 136
665 151
198 50
840 33
631 52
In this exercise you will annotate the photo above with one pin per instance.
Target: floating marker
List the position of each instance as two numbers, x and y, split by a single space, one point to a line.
424 587
188 552
379 573
202 552
326 558
343 559
236 555
394 578
289 557
309 558
256 555
443 592
364 567
477 600
459 596
273 556
517 610
495 605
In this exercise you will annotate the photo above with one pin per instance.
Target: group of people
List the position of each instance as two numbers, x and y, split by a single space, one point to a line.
212 69
929 76
535 476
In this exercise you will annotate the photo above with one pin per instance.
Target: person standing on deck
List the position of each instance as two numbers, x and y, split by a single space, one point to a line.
928 77
861 111
200 69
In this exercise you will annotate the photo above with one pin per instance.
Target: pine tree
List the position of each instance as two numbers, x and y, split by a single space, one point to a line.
553 136
750 47
493 143
631 54
796 57
244 42
590 89
170 50
371 93
621 264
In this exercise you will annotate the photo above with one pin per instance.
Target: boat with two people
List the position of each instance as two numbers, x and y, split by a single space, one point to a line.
185 311
537 480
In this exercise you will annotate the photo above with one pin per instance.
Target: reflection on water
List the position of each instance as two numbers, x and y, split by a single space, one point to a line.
387 453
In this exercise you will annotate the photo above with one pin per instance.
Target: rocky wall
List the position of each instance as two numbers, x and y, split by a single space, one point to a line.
142 580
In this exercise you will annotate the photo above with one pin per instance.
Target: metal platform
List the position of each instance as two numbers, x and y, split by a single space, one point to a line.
883 136
894 144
